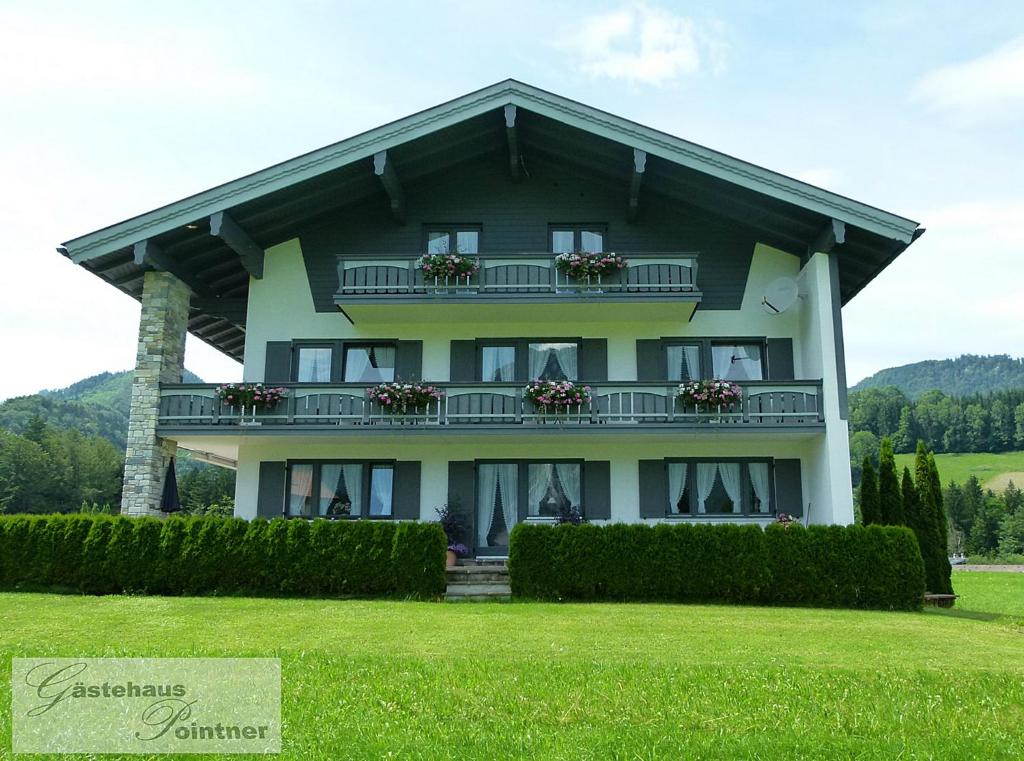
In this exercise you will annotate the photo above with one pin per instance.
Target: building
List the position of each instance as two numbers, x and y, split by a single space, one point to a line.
308 272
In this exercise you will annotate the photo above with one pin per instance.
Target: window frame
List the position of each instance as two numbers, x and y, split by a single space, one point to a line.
577 229
365 478
522 484
311 343
706 343
363 343
745 487
522 349
453 228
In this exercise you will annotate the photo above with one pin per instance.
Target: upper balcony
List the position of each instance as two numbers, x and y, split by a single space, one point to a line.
516 287
623 407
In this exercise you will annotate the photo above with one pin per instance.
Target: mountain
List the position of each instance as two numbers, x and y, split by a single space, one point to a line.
96 406
964 376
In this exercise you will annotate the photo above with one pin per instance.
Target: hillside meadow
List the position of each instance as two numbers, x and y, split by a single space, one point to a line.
993 469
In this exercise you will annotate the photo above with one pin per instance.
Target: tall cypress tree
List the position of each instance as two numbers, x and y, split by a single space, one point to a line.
911 501
870 511
890 498
930 525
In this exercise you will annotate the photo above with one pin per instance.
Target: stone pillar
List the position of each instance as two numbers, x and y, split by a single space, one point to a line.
160 359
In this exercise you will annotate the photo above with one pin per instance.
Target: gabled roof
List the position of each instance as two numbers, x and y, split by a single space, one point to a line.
791 212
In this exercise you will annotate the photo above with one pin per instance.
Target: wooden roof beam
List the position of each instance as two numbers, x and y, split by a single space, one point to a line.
224 227
832 234
639 166
512 135
234 310
384 168
148 253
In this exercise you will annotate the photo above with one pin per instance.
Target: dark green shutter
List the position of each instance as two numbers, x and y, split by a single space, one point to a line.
278 367
462 496
463 362
408 360
788 490
594 359
405 495
597 490
780 359
270 499
653 489
651 364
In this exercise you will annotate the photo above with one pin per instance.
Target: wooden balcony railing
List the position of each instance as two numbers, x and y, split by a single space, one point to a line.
515 276
501 406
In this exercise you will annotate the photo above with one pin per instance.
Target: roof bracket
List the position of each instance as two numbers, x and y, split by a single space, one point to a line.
832 234
639 166
513 141
224 227
385 169
148 253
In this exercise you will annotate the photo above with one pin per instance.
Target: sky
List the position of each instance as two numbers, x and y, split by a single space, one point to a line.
111 109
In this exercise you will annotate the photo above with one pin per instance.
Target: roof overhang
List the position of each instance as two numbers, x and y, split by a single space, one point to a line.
214 240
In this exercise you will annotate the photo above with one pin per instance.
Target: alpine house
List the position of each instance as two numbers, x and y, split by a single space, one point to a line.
581 314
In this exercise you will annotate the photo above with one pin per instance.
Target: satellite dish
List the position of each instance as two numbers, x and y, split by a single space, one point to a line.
780 295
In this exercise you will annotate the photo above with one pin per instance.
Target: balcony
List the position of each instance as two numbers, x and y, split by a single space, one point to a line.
516 287
793 406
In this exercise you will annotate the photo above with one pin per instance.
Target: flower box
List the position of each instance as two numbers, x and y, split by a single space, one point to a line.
448 269
557 397
250 396
589 269
710 394
404 399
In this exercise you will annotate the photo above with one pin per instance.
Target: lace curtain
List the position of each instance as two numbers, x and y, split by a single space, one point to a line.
676 484
301 497
381 483
487 484
759 481
569 476
561 356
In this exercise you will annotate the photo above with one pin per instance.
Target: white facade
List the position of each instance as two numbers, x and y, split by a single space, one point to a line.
280 308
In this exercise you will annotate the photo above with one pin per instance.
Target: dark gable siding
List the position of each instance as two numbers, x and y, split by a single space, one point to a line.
516 216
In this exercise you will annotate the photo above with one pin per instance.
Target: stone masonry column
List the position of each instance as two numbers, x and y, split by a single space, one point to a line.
160 359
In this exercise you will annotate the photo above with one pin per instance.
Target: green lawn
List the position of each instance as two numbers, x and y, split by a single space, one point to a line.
368 679
991 469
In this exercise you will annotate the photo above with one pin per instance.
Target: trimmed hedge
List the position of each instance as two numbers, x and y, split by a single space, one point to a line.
98 554
876 567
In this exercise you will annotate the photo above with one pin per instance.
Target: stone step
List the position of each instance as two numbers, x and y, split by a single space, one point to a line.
488 591
477 575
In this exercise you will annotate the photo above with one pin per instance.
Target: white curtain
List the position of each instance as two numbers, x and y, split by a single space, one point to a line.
487 484
684 362
381 487
498 363
540 479
569 475
357 365
353 473
301 490
676 484
509 494
314 365
331 485
737 362
730 473
759 480
564 356
705 483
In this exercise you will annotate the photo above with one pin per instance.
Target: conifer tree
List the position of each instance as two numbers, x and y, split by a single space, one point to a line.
929 524
941 525
870 512
890 499
911 502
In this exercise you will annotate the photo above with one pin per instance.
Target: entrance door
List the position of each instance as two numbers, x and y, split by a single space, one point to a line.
497 507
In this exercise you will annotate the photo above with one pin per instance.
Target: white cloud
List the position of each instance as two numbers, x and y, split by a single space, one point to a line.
643 44
976 88
955 291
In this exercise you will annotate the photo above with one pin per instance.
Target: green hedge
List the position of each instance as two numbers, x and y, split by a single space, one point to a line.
98 554
825 566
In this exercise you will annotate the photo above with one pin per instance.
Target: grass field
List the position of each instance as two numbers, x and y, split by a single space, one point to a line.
993 470
365 679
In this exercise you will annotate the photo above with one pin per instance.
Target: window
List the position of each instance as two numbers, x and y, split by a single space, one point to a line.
684 362
340 489
370 363
505 491
729 487
553 488
314 364
567 239
553 361
498 364
453 240
737 361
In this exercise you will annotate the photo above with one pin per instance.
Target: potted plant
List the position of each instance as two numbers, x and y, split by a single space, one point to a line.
706 395
253 396
557 396
456 551
589 268
445 268
404 398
